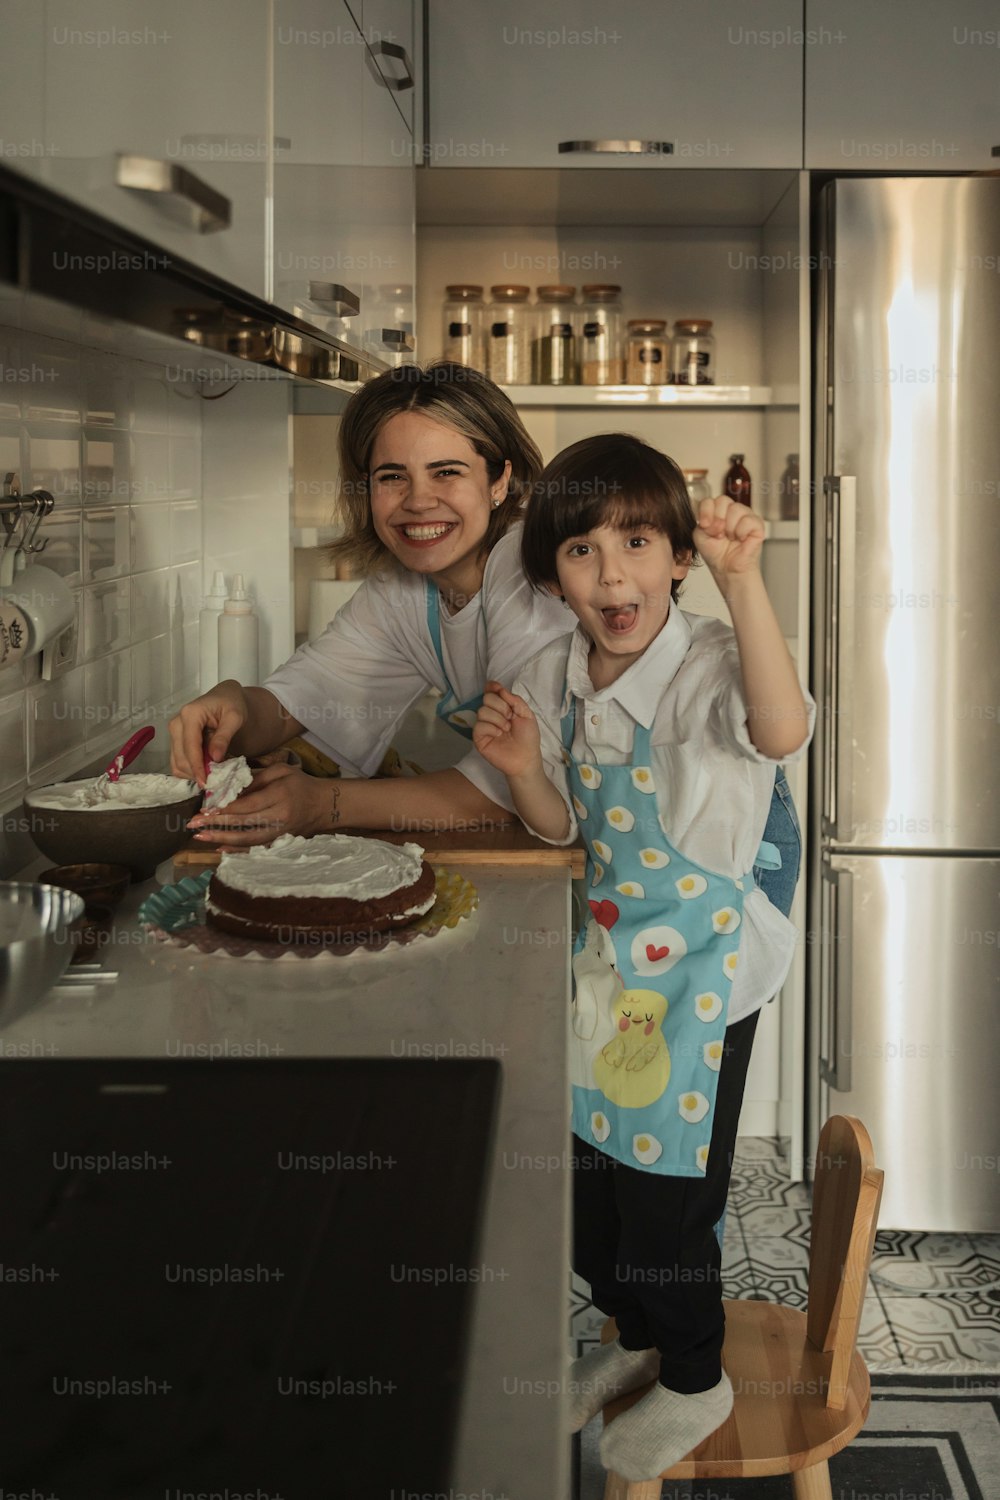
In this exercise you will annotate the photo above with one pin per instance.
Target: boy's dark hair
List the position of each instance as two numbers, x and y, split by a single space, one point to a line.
609 480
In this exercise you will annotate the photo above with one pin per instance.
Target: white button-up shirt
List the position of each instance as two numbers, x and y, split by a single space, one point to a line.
713 786
351 687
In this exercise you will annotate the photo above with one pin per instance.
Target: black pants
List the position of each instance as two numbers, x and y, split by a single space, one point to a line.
647 1246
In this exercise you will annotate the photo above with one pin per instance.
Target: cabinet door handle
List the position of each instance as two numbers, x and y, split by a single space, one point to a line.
395 340
617 148
334 298
178 191
390 49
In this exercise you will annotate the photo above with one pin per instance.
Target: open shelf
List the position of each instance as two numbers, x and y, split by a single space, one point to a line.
651 395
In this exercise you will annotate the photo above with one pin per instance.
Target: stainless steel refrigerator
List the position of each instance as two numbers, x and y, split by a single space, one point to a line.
904 914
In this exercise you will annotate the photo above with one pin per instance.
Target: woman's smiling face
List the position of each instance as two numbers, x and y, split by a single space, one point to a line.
431 498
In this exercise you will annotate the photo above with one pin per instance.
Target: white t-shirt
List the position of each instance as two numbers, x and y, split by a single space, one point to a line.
351 687
713 786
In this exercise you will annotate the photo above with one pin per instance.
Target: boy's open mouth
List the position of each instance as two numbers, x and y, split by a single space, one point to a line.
620 618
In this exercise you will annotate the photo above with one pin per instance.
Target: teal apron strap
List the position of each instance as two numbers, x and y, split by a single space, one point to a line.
768 856
434 624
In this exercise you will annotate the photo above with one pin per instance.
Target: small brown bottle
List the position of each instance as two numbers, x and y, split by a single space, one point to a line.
737 481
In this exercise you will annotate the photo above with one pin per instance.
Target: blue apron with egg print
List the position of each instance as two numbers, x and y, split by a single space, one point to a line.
460 716
653 968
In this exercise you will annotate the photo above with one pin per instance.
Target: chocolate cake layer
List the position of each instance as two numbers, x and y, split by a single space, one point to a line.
295 919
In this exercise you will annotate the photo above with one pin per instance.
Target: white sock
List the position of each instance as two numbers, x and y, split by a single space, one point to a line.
659 1430
604 1373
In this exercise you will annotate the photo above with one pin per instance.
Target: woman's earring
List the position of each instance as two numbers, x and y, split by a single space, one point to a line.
495 504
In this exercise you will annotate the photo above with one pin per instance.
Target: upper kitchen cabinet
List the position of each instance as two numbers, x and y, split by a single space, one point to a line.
583 83
388 30
897 87
388 196
318 253
156 117
343 177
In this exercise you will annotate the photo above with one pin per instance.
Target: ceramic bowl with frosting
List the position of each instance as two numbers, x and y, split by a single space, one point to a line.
137 821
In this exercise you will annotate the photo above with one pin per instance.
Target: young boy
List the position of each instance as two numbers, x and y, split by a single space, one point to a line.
656 735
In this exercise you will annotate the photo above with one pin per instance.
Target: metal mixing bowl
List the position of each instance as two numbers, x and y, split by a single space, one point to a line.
35 942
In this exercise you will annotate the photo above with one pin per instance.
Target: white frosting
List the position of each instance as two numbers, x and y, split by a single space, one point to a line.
225 781
329 865
143 789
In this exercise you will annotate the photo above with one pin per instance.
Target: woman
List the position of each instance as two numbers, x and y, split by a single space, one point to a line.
435 465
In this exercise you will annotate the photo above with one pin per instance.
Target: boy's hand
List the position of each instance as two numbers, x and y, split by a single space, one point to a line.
729 537
506 732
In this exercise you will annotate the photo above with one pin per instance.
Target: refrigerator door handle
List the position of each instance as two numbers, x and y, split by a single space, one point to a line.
840 512
835 979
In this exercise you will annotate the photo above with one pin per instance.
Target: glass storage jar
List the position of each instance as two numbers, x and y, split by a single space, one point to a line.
698 487
464 326
554 346
648 348
509 341
693 357
391 338
601 354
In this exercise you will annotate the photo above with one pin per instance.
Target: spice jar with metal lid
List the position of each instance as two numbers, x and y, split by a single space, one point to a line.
698 487
693 357
509 335
601 353
554 346
464 326
648 348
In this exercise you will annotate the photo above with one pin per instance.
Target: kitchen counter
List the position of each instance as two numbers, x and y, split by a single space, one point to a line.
496 986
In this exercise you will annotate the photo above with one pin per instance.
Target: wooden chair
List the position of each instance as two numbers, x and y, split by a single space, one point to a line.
801 1389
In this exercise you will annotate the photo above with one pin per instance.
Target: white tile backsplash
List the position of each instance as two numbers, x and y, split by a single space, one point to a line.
108 695
55 725
119 446
150 400
106 618
150 537
107 535
185 531
150 479
107 390
152 663
54 461
105 467
13 746
151 605
185 468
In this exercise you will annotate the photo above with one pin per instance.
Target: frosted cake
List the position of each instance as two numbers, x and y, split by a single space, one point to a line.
332 888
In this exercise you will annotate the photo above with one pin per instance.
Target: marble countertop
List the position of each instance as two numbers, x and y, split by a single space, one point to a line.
496 986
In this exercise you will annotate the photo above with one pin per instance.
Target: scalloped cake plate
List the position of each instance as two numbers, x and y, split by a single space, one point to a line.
176 914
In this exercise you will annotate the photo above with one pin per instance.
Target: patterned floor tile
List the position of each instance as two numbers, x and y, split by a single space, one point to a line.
761 1148
962 1326
781 1271
987 1247
785 1218
933 1249
738 1279
876 1340
759 1181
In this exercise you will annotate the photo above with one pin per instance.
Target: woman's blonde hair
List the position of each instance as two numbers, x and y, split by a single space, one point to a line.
457 397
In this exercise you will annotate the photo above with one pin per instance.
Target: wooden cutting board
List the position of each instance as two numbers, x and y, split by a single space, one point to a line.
510 846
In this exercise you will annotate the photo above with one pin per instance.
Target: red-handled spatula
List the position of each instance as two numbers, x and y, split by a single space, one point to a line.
127 754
